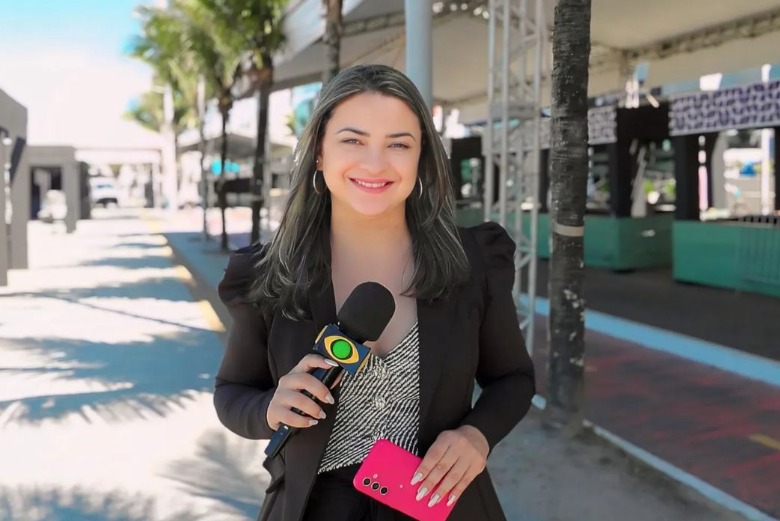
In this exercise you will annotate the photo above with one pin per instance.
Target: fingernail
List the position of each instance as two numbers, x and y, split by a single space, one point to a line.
421 493
451 500
331 362
329 399
312 423
322 415
417 478
434 500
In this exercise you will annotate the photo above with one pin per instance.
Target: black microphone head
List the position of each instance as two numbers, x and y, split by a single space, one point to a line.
366 312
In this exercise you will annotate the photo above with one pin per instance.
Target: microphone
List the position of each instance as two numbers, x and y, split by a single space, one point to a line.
362 318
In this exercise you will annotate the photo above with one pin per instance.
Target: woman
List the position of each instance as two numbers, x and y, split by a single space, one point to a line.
371 200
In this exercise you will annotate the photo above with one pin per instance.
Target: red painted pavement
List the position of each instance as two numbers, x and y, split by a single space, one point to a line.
695 417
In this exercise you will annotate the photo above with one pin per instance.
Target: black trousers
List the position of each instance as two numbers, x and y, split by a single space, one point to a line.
333 498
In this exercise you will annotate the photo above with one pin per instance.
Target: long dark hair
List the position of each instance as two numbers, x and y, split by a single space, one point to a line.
298 257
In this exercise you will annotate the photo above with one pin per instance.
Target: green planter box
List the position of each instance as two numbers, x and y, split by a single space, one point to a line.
612 243
728 255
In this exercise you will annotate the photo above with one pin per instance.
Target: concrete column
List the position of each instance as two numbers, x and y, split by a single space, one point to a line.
686 173
20 199
170 183
5 245
71 186
620 177
419 47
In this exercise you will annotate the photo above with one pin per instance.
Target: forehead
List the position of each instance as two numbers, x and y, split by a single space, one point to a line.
372 110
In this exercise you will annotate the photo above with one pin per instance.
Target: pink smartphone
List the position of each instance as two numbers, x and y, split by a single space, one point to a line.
386 475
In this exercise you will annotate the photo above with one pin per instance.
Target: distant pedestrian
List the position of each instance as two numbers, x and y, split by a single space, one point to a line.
372 200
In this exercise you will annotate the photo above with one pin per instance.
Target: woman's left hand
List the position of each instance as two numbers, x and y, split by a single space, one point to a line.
452 462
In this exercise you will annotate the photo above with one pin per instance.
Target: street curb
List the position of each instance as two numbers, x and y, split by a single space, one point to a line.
711 493
727 359
201 289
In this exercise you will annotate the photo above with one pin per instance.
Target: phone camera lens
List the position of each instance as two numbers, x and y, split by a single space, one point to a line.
383 491
366 482
375 486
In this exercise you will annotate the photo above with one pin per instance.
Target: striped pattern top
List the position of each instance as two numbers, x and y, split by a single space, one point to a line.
380 401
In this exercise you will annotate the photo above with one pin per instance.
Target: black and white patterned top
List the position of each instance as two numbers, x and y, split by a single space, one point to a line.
380 401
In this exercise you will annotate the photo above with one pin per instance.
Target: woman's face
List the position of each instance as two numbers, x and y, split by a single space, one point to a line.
369 155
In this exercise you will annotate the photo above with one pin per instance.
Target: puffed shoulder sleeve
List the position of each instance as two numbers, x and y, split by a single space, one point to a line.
505 372
244 382
239 274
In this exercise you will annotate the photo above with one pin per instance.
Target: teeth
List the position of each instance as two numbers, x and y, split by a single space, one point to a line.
370 185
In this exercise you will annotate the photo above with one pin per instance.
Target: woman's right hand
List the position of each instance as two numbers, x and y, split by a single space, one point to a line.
288 395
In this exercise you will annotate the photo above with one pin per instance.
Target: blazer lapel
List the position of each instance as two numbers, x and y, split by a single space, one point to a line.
432 325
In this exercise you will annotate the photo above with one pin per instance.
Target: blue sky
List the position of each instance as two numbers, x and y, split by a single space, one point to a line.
64 60
103 25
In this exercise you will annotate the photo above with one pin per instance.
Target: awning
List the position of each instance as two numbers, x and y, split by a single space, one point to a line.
679 40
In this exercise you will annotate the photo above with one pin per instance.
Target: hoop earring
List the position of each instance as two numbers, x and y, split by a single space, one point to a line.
314 183
419 182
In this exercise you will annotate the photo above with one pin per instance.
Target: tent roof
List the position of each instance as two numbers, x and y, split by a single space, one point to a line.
680 40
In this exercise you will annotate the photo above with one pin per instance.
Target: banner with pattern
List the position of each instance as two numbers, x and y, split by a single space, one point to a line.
748 106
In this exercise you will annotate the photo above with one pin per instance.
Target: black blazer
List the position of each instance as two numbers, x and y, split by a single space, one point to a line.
471 335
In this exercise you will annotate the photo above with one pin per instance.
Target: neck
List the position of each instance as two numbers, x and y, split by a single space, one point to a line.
380 234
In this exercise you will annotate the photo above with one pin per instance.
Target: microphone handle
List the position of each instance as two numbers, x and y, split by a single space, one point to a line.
279 438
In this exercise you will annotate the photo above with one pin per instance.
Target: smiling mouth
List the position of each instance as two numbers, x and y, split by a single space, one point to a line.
367 184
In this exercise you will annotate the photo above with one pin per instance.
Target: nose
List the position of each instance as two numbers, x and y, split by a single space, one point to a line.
375 160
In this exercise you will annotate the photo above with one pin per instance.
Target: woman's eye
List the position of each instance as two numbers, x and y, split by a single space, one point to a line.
399 145
351 141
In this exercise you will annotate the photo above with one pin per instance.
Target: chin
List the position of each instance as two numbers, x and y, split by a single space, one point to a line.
373 210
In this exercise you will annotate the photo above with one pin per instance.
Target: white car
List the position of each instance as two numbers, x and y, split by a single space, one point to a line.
103 192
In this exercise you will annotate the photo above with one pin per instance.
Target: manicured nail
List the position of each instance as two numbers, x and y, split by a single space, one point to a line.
434 499
322 415
417 478
312 423
421 493
451 500
329 399
331 362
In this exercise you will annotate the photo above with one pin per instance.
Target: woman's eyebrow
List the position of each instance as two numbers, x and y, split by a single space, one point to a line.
364 133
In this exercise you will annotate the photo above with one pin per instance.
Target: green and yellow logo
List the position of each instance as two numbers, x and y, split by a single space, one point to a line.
341 349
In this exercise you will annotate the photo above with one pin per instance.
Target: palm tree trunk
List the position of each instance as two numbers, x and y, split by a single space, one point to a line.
332 38
221 195
204 175
266 76
569 174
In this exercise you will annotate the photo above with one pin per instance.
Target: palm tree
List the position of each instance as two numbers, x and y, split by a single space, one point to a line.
147 110
157 46
568 180
258 25
217 59
332 38
163 45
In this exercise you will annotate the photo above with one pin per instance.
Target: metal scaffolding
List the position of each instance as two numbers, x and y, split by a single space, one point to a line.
512 140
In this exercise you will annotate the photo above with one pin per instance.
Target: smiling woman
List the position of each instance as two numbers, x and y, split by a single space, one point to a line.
369 171
372 200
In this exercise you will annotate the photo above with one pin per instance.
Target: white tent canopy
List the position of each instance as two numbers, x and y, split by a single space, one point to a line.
678 40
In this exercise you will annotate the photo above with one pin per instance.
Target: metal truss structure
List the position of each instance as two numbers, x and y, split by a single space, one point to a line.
512 140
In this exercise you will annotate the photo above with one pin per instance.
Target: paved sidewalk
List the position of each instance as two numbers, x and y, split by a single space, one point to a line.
107 356
703 413
106 370
539 475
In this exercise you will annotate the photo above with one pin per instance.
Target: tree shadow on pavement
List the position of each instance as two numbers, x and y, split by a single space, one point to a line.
117 381
159 288
227 469
131 262
77 504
